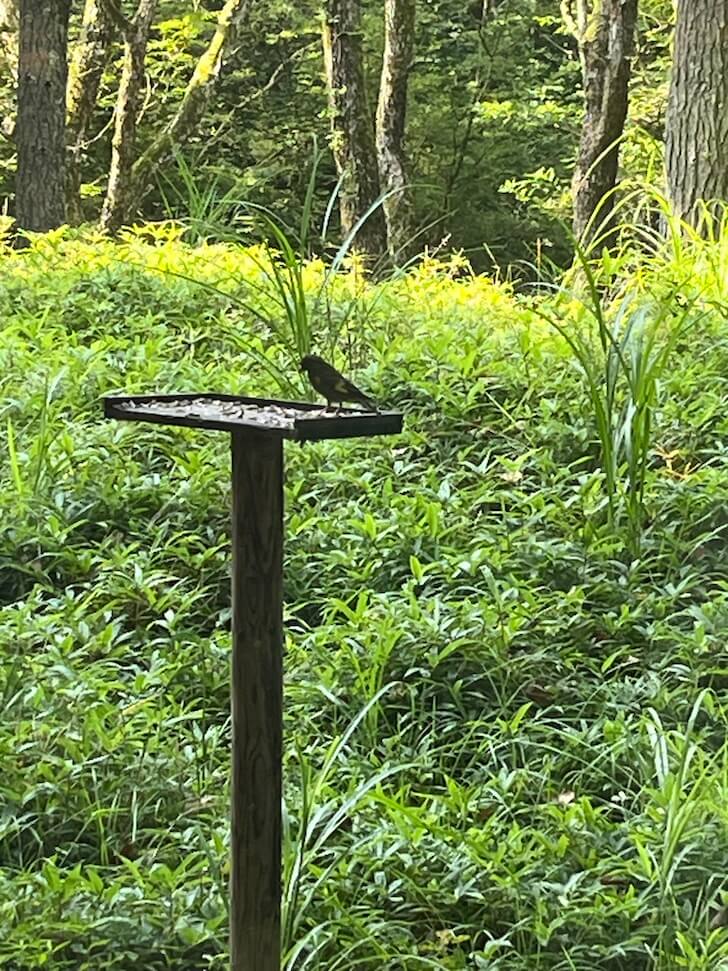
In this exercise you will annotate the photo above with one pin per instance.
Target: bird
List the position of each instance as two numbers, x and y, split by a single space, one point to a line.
332 385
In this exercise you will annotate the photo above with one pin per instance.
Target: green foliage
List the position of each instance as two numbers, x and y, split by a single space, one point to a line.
505 735
301 310
507 87
493 120
211 202
493 102
623 348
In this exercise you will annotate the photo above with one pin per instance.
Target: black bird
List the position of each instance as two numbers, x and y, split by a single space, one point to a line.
332 385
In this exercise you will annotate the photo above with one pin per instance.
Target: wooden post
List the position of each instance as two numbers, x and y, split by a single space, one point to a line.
256 701
258 427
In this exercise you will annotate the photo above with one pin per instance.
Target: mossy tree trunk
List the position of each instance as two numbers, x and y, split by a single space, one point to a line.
121 198
604 30
88 59
697 113
196 97
40 131
352 127
399 27
130 177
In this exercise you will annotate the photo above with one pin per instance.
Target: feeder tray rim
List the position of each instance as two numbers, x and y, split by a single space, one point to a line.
348 423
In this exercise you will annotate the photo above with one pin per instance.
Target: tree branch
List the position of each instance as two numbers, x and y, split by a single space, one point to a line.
196 96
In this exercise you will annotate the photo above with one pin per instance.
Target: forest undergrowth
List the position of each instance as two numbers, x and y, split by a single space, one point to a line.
505 660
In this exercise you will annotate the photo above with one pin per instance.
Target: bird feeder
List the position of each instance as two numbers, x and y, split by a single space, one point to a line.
257 428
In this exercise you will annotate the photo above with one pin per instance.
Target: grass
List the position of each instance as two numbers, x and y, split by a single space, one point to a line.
623 347
505 731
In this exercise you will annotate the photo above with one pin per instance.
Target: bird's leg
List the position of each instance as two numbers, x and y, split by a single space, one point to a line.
338 409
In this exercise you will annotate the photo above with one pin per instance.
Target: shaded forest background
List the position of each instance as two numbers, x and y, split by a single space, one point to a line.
494 117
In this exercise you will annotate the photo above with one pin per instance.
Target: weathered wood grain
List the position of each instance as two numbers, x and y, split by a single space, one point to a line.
256 701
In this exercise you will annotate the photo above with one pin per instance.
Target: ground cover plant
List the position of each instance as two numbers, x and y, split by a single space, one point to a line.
505 661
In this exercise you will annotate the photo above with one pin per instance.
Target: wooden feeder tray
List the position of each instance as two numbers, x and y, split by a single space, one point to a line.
265 416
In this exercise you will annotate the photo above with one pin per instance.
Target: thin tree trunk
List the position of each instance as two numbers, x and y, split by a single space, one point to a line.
40 130
352 131
120 197
196 98
88 59
604 30
697 112
399 26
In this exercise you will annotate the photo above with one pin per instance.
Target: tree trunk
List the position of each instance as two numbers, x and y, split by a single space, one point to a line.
88 60
399 26
697 112
196 97
120 200
40 129
352 131
604 30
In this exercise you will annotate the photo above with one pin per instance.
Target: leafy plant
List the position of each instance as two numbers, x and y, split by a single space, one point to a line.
622 368
211 201
290 297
